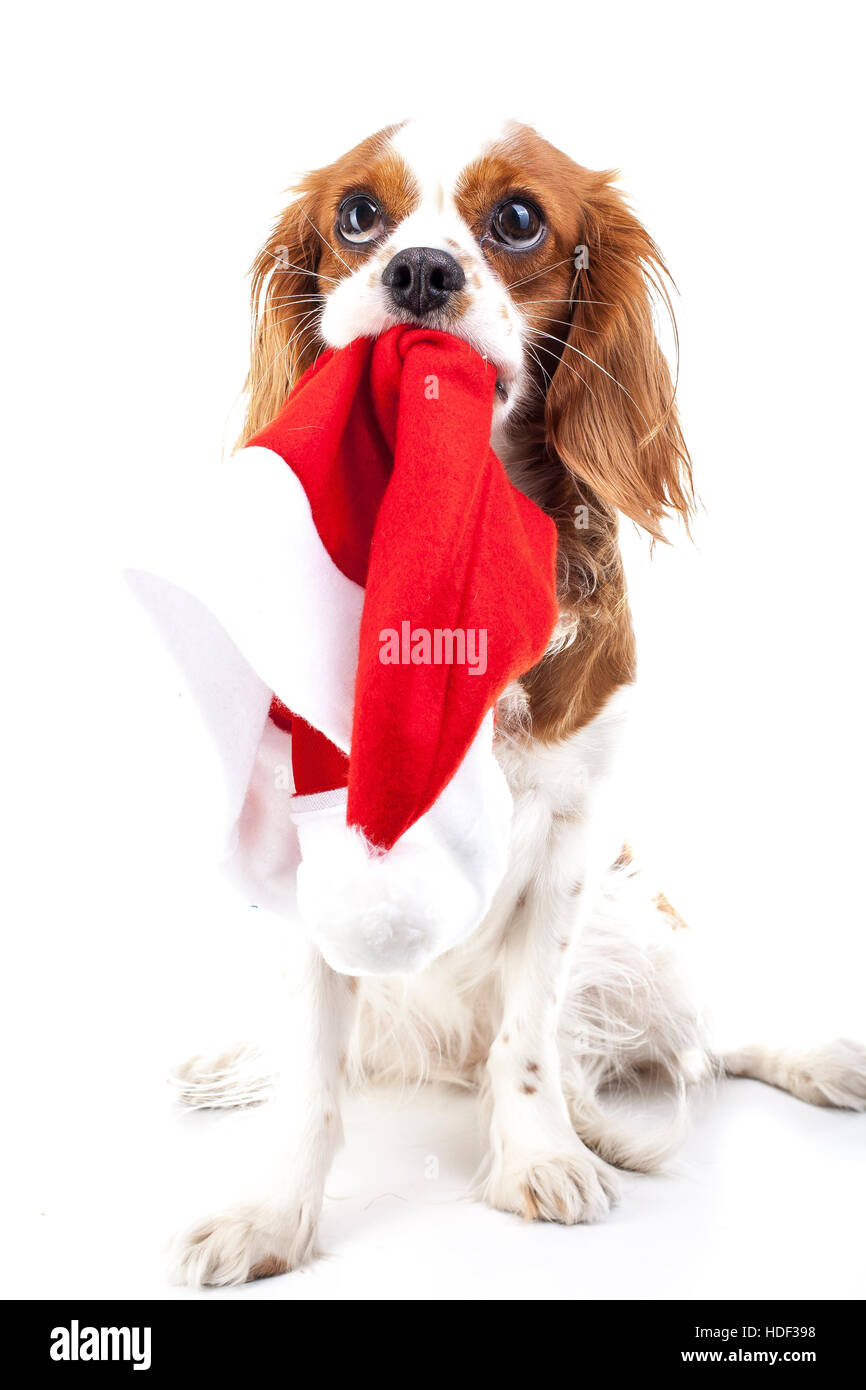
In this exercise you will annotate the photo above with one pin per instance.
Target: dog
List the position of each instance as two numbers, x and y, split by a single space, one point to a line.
575 980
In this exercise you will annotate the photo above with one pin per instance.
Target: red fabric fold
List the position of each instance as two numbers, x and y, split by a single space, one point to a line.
389 438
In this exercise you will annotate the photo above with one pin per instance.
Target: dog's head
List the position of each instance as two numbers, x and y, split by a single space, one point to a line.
502 240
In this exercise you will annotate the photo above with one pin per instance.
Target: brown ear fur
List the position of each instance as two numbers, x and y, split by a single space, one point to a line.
610 412
286 298
285 303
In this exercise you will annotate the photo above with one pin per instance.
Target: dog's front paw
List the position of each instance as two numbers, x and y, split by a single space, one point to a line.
570 1187
244 1243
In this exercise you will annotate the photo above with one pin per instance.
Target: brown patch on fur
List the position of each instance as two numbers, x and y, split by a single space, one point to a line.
610 413
625 856
670 912
569 688
352 984
268 1267
532 1066
604 434
302 247
528 1090
456 307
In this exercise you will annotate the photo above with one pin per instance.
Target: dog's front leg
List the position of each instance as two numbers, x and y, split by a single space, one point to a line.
273 1229
539 1167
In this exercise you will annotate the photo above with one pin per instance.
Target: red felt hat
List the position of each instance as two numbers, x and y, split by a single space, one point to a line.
365 569
390 439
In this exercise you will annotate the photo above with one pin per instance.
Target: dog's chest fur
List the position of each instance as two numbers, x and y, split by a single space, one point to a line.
440 1023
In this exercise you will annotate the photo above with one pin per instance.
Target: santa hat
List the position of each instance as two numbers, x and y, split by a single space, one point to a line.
414 582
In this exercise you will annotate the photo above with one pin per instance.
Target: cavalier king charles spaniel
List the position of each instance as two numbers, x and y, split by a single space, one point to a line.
574 981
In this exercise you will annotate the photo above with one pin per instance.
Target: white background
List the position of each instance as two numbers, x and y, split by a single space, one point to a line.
149 148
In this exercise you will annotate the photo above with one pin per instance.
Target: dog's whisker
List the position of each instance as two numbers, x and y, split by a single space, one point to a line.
545 318
558 359
265 373
565 299
304 269
293 298
545 270
287 318
290 318
309 321
537 359
323 239
592 361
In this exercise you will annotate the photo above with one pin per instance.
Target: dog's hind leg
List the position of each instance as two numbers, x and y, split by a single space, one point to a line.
834 1074
237 1077
632 1011
631 1014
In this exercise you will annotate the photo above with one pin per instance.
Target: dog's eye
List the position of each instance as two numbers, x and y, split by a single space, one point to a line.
518 224
360 219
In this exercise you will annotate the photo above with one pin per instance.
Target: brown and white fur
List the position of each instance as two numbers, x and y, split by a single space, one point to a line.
574 980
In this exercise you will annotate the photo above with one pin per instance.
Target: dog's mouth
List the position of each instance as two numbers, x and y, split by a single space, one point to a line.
504 376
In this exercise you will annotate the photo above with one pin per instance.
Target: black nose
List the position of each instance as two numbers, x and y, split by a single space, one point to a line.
422 279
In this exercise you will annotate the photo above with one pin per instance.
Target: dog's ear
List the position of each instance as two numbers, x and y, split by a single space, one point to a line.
610 411
285 312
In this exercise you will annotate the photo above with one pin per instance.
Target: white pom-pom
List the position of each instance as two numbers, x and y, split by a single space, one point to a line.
381 914
391 914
